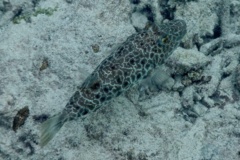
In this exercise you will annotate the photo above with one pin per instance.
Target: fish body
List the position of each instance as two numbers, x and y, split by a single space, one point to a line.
131 62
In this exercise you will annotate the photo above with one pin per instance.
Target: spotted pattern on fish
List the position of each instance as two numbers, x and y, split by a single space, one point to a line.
131 62
126 66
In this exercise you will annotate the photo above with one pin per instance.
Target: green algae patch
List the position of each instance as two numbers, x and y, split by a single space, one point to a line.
27 16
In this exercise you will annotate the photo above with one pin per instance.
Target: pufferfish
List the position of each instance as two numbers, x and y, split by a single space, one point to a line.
125 67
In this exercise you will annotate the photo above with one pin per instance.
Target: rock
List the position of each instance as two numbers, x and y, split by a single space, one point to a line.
184 60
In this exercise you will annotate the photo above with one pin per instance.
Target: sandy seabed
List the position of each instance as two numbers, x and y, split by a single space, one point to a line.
48 48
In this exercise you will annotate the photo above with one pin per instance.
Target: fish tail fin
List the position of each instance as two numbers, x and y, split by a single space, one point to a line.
50 127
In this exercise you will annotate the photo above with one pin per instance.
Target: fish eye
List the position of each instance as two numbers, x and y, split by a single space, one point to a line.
165 40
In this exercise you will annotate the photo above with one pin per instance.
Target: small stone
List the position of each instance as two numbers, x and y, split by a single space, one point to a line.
20 118
187 97
195 75
44 65
186 81
139 20
200 109
185 60
95 48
